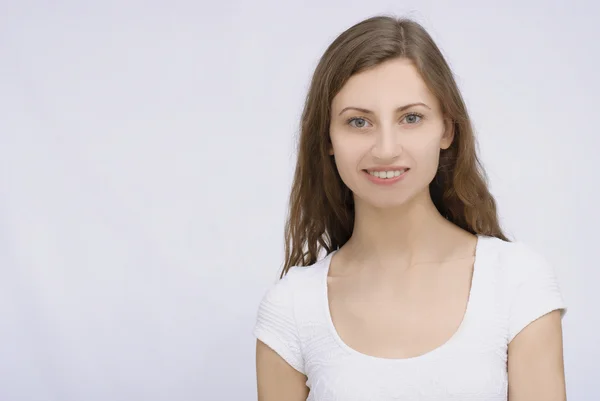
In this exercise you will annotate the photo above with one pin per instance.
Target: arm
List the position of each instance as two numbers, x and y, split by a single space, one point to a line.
535 361
276 379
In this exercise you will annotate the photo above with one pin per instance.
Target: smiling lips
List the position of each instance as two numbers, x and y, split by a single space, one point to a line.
386 176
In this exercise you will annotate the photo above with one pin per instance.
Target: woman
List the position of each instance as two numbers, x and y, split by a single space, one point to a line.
419 295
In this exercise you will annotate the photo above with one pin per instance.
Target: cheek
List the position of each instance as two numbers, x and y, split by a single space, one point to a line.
429 154
347 157
425 156
425 141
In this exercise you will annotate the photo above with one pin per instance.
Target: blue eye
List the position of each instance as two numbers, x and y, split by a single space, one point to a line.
413 118
359 120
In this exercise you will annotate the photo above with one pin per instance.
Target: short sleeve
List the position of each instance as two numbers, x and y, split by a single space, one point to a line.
276 322
535 289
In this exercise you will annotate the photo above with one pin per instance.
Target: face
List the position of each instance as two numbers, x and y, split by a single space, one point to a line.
387 130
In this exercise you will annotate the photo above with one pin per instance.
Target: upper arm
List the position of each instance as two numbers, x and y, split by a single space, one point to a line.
535 361
276 379
280 365
535 344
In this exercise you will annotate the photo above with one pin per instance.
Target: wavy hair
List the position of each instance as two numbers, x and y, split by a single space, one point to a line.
321 206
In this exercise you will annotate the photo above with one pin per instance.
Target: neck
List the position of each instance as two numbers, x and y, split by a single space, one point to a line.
411 233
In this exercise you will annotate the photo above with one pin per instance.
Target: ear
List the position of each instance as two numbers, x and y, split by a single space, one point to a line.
448 135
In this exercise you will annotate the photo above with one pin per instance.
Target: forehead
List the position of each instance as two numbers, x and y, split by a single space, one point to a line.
388 85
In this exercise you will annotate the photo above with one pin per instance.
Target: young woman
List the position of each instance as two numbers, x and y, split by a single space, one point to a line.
419 295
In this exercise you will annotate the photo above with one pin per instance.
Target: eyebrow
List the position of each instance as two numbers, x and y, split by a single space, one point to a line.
401 108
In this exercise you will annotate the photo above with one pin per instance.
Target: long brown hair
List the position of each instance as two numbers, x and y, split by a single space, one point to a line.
321 213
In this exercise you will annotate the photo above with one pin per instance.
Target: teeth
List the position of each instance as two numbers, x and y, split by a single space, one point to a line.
387 174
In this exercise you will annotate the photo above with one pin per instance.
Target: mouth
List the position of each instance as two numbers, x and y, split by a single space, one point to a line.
387 174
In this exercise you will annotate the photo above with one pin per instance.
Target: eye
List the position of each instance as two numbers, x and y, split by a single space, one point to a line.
359 122
413 118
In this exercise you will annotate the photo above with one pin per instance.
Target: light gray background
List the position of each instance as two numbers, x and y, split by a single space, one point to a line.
146 153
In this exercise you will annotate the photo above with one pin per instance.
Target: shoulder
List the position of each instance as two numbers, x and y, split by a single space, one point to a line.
277 318
520 261
530 282
297 281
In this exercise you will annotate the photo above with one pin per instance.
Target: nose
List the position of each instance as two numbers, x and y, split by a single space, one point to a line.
386 147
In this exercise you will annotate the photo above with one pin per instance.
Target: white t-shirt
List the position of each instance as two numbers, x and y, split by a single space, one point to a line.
512 286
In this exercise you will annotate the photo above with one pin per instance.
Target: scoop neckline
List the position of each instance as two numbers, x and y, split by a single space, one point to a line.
473 291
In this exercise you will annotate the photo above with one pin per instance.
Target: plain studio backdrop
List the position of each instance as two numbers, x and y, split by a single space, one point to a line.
146 156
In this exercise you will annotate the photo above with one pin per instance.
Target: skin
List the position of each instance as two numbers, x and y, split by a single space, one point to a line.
390 274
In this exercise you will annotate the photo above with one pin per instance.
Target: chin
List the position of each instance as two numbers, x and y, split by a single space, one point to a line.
384 202
393 199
